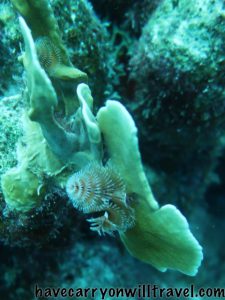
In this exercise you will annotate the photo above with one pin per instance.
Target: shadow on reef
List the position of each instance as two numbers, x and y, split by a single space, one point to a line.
215 194
53 222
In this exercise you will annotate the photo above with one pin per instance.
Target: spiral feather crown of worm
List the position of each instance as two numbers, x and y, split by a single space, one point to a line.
48 54
97 188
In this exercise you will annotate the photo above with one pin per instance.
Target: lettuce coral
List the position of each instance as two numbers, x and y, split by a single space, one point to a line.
161 236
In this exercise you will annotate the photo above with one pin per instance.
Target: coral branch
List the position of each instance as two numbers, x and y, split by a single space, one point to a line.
43 100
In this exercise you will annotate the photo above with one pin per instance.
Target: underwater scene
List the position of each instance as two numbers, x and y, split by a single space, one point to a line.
112 149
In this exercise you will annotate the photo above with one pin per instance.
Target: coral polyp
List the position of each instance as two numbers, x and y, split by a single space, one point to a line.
97 188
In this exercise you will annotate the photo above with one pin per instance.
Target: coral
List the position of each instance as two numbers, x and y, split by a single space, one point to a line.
40 19
41 91
178 162
88 44
35 160
39 16
63 136
160 236
178 99
32 167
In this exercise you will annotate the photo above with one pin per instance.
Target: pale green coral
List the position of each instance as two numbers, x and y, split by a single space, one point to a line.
42 23
24 185
93 131
21 189
58 142
49 148
120 134
40 18
161 236
43 101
